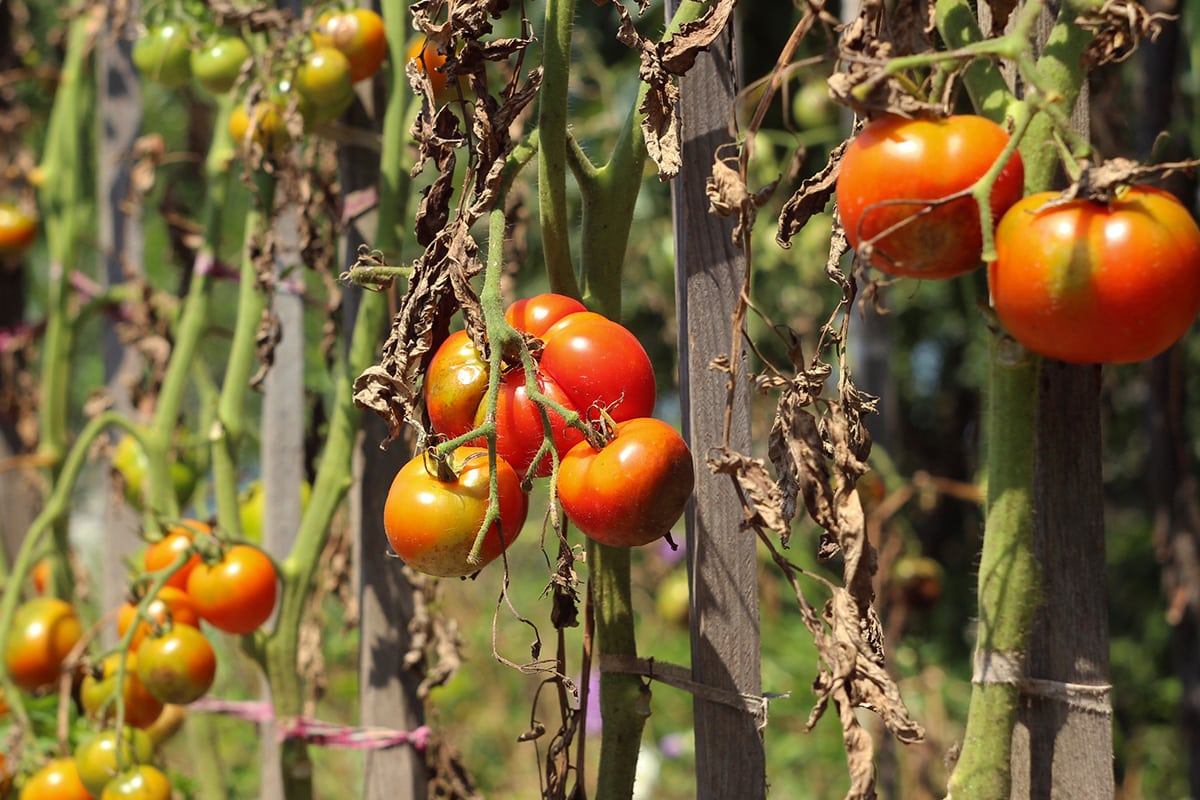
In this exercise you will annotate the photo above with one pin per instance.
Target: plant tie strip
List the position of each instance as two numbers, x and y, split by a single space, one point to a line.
315 731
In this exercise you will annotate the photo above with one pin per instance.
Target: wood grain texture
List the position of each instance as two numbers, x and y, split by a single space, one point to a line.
730 759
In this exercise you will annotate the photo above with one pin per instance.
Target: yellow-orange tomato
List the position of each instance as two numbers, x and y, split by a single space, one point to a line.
43 633
265 124
41 576
358 34
171 605
98 693
58 780
18 229
431 61
165 551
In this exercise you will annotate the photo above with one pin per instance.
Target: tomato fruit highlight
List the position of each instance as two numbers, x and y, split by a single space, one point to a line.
57 780
892 185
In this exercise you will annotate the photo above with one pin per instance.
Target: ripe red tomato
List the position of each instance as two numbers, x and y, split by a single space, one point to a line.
633 490
57 780
143 782
98 691
217 66
323 80
178 666
1089 282
96 757
534 315
358 34
172 606
432 522
895 168
163 55
18 230
236 594
164 552
586 360
43 633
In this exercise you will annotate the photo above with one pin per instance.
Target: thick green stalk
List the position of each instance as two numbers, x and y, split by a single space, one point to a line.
552 150
279 651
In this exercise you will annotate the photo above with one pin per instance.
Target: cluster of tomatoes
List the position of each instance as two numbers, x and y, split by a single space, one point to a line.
1108 281
164 660
623 477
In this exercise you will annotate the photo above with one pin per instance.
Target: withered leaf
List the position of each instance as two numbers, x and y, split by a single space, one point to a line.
757 486
680 50
1118 27
810 199
728 194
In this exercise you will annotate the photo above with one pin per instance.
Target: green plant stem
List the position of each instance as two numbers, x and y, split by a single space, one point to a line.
552 150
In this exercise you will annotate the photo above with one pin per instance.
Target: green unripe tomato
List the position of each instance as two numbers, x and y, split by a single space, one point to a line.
323 81
163 55
252 505
217 66
97 757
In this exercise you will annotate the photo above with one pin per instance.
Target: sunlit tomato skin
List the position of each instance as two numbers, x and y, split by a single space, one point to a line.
323 79
1087 282
97 693
632 491
599 362
171 606
178 666
18 230
164 552
236 594
43 633
40 575
143 782
97 756
455 383
217 66
163 55
519 427
896 168
535 315
358 34
58 780
431 523
431 61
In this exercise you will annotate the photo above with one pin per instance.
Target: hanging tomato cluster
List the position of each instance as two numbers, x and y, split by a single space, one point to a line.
1108 280
623 477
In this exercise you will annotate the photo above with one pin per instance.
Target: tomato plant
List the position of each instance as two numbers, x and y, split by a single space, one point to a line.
632 490
171 606
323 80
97 757
217 65
57 780
43 633
895 176
434 512
358 33
97 692
164 552
1093 282
143 782
235 594
177 666
18 230
585 361
163 55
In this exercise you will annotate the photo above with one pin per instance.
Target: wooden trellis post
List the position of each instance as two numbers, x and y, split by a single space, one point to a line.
721 560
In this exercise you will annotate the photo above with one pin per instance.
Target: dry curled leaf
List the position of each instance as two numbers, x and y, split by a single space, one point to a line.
761 495
728 195
1118 27
810 198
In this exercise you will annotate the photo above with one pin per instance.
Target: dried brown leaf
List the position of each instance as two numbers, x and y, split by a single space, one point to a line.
1118 27
761 494
728 194
810 199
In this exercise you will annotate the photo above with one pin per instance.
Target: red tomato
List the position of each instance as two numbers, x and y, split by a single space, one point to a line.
18 230
58 780
431 523
43 633
172 605
454 385
587 360
98 692
142 782
633 490
97 755
164 552
178 666
236 594
358 34
896 168
1088 282
534 315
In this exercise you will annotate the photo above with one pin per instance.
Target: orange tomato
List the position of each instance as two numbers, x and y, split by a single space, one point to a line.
58 780
236 594
172 606
164 552
43 633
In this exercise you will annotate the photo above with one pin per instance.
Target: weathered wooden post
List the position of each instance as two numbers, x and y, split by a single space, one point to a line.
722 567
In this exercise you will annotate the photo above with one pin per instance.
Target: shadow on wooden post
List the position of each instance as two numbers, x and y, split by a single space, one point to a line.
730 760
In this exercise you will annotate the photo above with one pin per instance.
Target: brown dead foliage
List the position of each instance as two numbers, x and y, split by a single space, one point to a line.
1118 27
